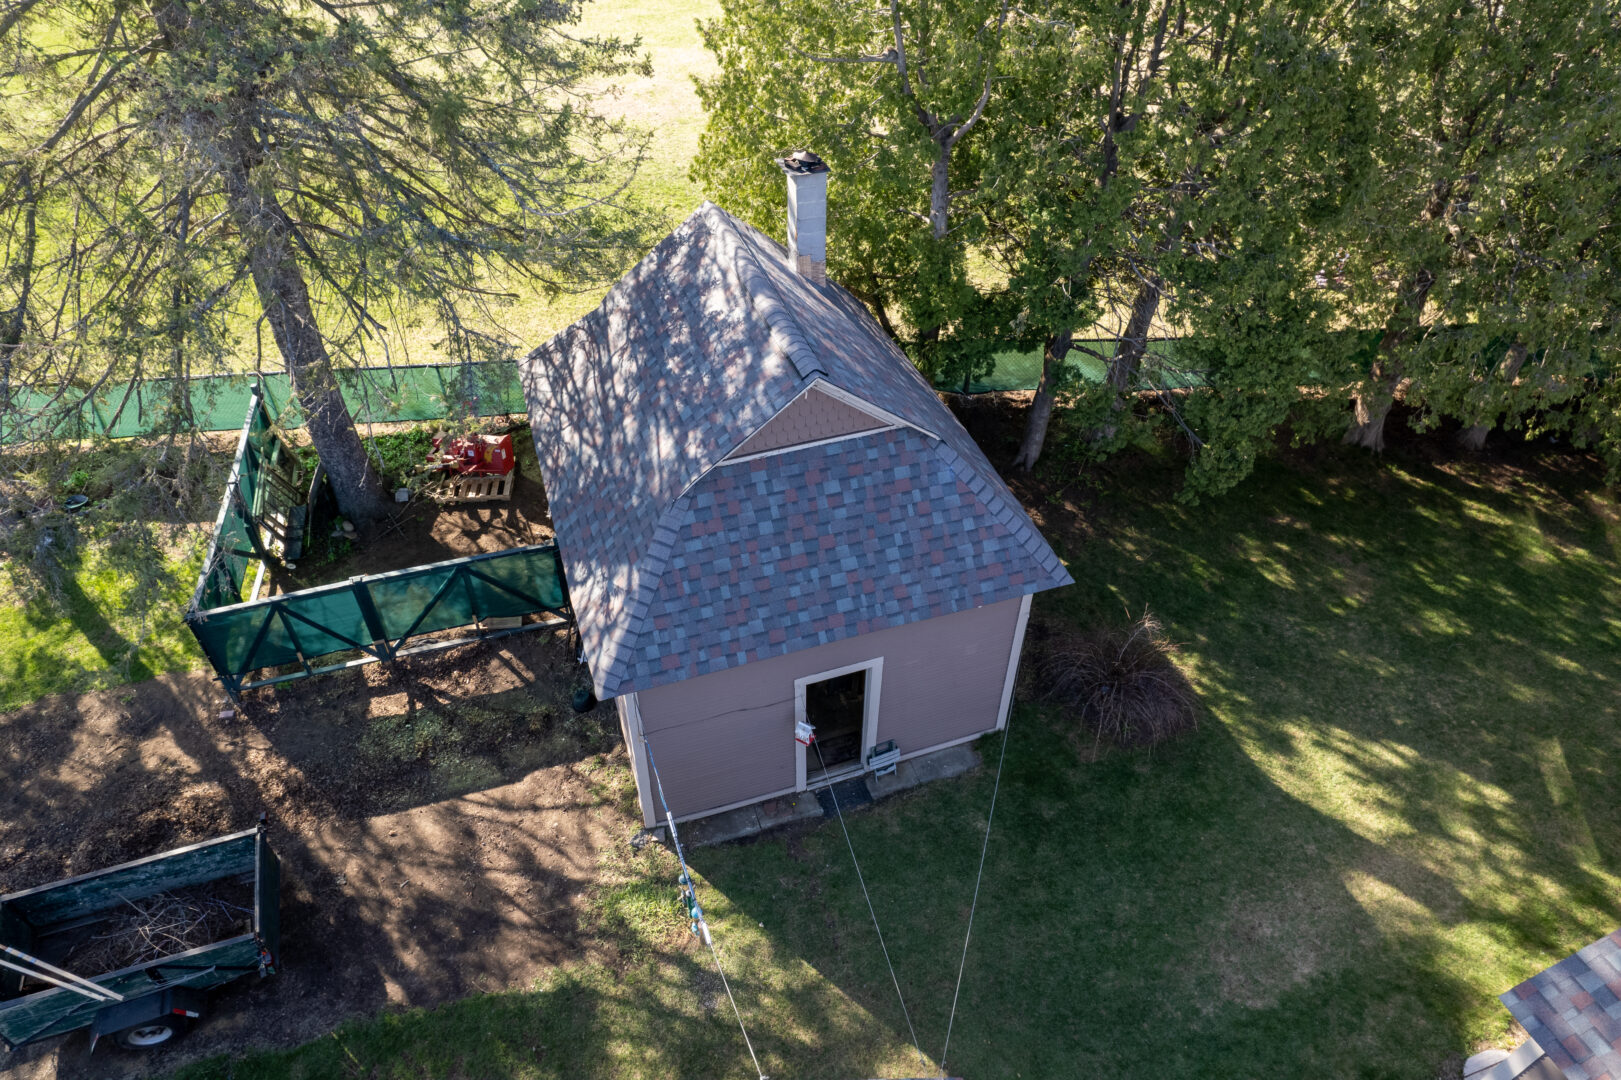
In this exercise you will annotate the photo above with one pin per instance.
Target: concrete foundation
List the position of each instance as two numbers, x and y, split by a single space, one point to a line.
761 817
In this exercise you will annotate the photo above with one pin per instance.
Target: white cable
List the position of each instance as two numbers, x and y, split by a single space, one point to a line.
703 925
979 878
840 812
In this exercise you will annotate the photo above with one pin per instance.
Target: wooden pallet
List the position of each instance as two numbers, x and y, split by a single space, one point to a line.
462 489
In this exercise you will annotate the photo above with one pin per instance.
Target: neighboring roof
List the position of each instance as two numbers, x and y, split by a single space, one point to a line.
1573 1011
679 565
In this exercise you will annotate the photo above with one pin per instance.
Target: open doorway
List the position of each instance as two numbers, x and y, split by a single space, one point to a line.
842 706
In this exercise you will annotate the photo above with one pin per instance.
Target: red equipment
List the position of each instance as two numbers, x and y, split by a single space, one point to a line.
475 455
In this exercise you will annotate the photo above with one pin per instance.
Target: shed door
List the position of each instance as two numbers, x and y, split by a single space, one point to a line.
842 705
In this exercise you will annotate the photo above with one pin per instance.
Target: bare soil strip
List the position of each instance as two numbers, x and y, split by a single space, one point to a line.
438 821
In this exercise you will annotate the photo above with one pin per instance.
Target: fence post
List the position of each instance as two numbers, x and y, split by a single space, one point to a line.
222 671
374 619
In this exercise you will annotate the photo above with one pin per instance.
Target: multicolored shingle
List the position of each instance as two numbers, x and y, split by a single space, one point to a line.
680 565
1573 1010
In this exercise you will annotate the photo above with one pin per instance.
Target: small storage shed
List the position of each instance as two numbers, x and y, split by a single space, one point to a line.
766 515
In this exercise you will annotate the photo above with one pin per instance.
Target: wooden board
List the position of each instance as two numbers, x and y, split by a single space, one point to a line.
460 489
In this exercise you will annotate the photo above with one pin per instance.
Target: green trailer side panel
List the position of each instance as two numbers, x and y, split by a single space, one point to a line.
267 900
81 896
14 931
55 1011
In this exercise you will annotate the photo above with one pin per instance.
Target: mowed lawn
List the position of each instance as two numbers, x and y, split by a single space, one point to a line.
1398 806
665 108
87 637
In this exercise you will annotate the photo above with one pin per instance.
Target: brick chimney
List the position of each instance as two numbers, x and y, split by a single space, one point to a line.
807 214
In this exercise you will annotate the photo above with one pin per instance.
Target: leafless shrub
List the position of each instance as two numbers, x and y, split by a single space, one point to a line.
1122 681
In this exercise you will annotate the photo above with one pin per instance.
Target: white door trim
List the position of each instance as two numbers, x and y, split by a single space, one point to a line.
869 712
1013 662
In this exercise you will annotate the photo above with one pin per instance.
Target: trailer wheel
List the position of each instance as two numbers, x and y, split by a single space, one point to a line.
152 1034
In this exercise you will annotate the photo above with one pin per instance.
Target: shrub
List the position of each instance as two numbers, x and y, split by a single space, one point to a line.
1122 681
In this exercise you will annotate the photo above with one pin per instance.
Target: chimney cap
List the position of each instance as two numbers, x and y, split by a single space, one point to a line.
804 161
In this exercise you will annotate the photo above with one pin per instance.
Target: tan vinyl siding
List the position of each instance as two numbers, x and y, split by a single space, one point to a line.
728 737
811 417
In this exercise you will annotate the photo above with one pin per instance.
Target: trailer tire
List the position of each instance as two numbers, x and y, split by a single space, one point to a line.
153 1033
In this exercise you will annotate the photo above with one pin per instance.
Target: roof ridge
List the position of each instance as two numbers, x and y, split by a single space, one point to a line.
1011 517
766 301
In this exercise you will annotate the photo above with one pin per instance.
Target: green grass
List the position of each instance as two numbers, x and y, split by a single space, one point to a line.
664 105
87 638
1397 807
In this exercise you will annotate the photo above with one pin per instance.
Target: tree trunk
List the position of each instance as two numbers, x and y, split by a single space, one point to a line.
1473 437
268 233
1128 355
1371 401
1370 408
16 320
1041 408
940 193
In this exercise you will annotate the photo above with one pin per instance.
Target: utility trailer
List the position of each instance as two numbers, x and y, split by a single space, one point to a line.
140 909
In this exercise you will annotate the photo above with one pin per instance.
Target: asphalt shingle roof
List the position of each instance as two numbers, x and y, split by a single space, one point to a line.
1573 1011
679 566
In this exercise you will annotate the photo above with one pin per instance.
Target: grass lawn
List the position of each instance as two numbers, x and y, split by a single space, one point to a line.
88 640
1396 808
666 105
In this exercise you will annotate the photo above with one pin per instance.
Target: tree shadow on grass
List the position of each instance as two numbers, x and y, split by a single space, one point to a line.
651 1021
1165 914
1398 810
42 664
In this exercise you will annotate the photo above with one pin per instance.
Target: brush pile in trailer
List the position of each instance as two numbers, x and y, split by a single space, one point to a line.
163 925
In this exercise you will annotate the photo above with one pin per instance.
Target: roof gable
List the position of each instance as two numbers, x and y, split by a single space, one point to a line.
814 416
794 550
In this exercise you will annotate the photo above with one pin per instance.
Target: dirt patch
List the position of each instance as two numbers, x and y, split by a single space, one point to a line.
1270 944
424 531
439 822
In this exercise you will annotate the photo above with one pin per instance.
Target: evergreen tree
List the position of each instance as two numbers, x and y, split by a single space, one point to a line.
327 168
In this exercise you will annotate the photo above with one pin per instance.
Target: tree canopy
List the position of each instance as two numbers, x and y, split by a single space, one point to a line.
1326 206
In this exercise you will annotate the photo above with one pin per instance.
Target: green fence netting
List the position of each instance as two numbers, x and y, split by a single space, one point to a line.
1020 369
261 515
217 402
426 392
375 615
236 543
